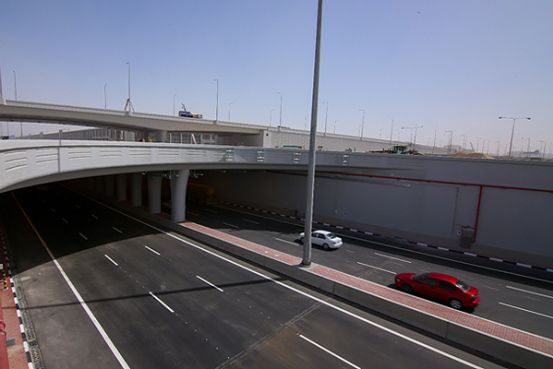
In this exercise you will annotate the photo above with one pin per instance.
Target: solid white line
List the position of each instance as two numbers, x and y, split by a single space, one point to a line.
305 294
528 311
161 302
85 307
250 221
152 250
94 216
83 236
64 220
286 241
231 225
391 257
117 230
110 259
372 266
329 352
211 284
532 292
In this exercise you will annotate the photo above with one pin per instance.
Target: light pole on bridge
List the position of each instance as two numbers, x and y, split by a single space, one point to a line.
128 105
514 119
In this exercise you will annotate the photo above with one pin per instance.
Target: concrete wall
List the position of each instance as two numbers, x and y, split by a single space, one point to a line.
512 223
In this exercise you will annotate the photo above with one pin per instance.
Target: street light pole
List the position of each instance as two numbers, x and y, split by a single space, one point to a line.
362 124
174 110
229 109
280 117
306 260
326 116
217 101
514 119
128 105
105 96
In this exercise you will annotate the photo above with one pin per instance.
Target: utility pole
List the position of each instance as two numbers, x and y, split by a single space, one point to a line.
217 101
280 117
392 132
105 96
362 124
514 119
326 116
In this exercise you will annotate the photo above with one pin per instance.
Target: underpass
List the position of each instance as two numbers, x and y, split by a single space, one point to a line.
165 301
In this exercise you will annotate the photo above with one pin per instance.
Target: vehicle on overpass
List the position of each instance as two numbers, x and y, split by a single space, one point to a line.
441 287
325 239
187 114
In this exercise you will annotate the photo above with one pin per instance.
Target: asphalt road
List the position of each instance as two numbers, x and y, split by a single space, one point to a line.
123 294
519 302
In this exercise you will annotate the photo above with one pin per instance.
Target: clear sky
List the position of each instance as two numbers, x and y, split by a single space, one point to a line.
443 64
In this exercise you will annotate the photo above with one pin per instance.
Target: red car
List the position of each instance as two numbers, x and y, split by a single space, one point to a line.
442 287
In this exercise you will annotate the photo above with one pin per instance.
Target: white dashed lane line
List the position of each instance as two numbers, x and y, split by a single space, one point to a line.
117 230
94 216
526 310
161 302
250 221
209 283
152 250
83 236
65 220
392 257
329 352
530 292
286 241
375 267
110 259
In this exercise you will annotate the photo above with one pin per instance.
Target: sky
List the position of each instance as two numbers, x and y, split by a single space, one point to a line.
449 66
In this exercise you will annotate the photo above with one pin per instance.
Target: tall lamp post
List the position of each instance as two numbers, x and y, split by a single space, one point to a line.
362 123
514 119
306 260
217 101
280 116
105 96
128 105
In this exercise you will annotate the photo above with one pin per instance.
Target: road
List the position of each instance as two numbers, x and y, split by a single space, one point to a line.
123 294
515 301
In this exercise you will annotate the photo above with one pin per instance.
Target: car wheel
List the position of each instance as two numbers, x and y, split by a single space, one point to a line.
301 241
406 288
456 304
325 246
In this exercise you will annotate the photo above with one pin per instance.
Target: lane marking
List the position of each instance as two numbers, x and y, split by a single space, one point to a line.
286 241
305 294
250 221
94 216
83 236
375 267
231 225
528 311
329 352
117 230
532 292
208 282
52 210
83 304
161 302
64 220
110 259
392 257
152 250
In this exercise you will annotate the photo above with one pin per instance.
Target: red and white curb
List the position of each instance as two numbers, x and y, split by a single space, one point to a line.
9 277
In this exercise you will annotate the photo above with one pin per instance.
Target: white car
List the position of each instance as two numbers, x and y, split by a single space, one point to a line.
327 240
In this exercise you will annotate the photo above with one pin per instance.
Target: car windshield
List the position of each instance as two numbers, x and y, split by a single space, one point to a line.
420 276
331 235
462 285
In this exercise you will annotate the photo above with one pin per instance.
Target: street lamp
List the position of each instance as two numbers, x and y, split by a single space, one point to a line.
514 119
105 96
217 101
229 109
280 118
174 110
128 104
362 124
326 116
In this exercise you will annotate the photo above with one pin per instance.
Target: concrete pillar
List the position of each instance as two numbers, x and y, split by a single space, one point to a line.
154 192
109 186
136 189
121 182
179 182
160 136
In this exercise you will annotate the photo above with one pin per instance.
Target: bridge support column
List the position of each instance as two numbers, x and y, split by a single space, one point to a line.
136 189
121 182
160 136
154 192
108 186
179 182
